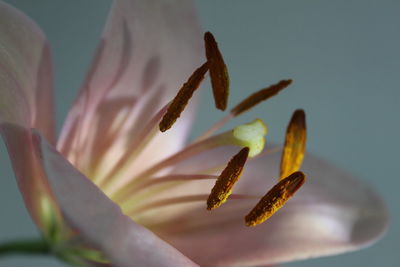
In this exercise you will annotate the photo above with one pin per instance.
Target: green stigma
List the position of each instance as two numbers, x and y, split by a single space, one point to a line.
251 135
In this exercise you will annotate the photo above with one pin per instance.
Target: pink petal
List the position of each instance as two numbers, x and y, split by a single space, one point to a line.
28 172
100 221
26 86
332 213
148 49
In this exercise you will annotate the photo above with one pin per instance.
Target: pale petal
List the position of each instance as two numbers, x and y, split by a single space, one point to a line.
331 213
26 86
100 221
29 174
148 49
210 162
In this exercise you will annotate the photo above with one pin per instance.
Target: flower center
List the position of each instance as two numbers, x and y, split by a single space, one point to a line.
158 192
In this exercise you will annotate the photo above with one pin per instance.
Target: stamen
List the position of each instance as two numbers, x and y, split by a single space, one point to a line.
218 72
275 199
246 105
249 135
229 176
259 96
180 101
295 144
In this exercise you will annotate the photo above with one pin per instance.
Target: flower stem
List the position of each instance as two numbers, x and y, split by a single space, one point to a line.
28 246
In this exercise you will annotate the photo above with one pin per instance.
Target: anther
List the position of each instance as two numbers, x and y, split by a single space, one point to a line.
218 72
275 199
180 101
259 96
229 176
295 144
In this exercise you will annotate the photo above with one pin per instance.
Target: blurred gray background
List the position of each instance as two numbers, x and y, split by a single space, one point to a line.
343 56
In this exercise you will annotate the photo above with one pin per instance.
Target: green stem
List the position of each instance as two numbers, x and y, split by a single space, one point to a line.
28 246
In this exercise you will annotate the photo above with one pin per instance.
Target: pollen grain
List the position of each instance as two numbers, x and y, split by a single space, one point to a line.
218 72
295 144
229 176
180 101
275 199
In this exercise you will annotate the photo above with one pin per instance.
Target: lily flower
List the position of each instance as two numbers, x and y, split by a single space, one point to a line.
113 189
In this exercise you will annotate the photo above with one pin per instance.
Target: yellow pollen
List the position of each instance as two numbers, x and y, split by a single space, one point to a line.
259 96
275 199
229 176
295 144
180 101
218 72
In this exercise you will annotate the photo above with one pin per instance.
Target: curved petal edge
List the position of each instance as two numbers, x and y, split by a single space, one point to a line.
99 220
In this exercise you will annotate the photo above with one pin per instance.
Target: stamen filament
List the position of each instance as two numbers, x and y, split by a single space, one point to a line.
181 155
229 176
246 105
295 144
215 127
268 151
180 101
218 72
250 135
173 179
275 199
183 200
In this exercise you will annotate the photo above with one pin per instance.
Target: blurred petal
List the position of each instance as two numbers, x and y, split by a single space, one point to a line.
100 221
26 86
29 174
148 49
331 213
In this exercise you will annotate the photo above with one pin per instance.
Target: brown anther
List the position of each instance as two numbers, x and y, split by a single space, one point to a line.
275 199
259 96
229 176
218 72
180 101
295 144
